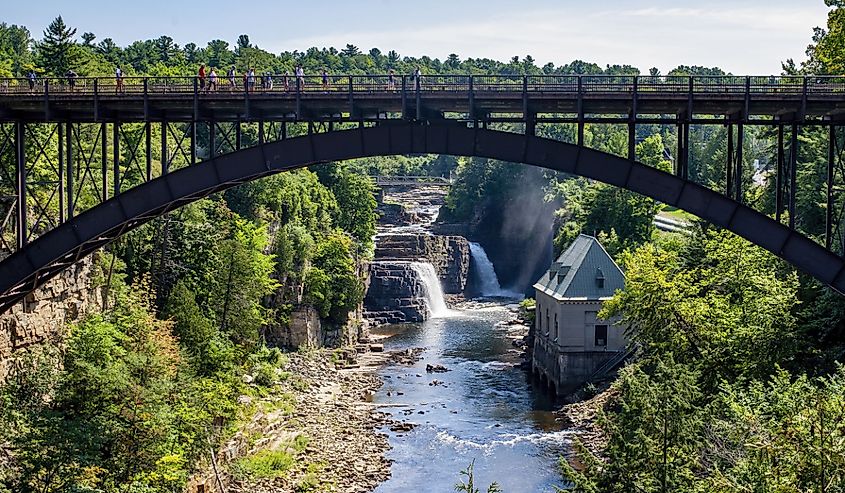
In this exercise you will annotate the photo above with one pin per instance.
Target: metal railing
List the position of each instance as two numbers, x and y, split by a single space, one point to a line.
482 85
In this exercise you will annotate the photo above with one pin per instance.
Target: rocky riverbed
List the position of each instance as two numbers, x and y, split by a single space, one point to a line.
325 402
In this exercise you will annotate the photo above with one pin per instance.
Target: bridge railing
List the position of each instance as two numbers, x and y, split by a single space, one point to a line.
371 84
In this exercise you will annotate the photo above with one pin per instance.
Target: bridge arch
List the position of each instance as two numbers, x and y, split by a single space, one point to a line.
29 268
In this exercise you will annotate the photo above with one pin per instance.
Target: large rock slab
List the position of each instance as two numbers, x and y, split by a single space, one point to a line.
396 294
450 255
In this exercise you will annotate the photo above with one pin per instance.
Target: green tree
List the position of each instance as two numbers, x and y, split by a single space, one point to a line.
242 280
56 51
653 436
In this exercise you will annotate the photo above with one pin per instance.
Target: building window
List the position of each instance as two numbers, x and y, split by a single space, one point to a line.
538 318
557 334
547 321
599 279
601 335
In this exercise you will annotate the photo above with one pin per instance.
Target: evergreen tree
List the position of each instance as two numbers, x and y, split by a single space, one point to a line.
56 50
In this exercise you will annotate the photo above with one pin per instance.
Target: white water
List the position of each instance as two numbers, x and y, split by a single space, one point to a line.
488 281
433 290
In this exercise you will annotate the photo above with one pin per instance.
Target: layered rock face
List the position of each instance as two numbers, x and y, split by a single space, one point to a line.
43 315
449 255
396 294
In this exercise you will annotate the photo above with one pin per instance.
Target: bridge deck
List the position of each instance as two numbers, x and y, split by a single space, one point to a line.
493 98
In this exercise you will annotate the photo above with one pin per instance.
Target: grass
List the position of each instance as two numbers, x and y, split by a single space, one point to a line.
270 464
678 214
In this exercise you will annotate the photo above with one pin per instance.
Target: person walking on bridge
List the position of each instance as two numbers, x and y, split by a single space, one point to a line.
118 79
231 76
250 79
201 76
30 78
325 76
212 80
71 79
418 77
300 78
391 81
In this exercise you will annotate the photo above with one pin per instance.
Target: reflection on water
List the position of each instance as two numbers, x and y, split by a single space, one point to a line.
483 409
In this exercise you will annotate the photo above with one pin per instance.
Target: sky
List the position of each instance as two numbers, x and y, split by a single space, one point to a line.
741 36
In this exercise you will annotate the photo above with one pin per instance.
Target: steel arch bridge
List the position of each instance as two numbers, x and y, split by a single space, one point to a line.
49 163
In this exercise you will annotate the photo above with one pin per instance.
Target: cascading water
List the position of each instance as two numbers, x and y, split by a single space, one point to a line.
488 282
433 290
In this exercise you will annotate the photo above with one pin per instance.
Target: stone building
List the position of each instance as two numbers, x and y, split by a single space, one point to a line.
571 344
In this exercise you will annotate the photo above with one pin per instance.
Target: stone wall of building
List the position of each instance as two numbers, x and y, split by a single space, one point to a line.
43 316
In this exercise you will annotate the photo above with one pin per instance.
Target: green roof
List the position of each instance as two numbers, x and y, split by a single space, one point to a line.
584 271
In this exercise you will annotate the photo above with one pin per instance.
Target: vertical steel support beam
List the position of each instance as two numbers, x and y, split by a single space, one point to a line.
404 97
46 100
165 159
298 102
679 152
196 101
61 173
351 98
418 83
146 102
632 124
831 155
471 99
104 160
96 100
238 135
70 168
193 142
793 164
740 140
248 104
685 175
212 141
525 112
779 178
729 164
580 104
116 154
284 125
261 132
20 185
148 145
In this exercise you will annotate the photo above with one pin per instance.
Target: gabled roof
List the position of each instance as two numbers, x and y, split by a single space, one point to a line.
575 274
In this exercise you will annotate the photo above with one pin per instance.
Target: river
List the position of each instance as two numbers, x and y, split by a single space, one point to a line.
485 409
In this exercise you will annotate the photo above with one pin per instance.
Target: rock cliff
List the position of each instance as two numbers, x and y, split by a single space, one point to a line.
43 315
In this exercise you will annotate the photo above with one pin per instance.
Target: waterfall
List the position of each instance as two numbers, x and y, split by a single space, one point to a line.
488 282
433 290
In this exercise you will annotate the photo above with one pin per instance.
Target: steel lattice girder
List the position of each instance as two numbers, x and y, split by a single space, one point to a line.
33 265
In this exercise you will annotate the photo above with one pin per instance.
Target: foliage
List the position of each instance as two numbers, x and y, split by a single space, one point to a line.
121 413
270 464
469 485
658 454
619 218
718 301
332 285
243 276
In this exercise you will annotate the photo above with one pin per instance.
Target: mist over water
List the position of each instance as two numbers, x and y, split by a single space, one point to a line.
484 409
